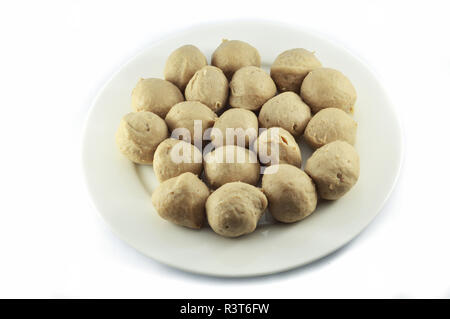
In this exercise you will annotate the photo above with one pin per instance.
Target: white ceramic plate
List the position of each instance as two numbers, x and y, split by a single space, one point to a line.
121 191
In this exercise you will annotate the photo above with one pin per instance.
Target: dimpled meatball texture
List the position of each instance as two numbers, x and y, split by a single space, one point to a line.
181 200
334 168
231 55
250 88
182 64
209 86
277 146
330 125
242 128
290 68
291 193
174 157
235 208
183 116
155 95
139 134
286 110
324 87
231 163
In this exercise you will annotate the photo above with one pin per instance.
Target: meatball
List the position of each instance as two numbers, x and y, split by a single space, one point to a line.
181 200
174 157
139 134
209 86
290 68
334 168
291 193
182 64
324 87
251 87
155 95
235 208
286 110
184 115
277 146
231 55
330 125
231 163
242 128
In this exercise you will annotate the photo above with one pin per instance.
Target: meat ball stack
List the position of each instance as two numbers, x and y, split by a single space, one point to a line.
233 99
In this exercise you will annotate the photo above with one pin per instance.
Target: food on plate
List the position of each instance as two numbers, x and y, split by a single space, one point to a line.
313 103
277 146
181 200
182 64
334 168
231 163
231 55
250 88
325 87
290 68
209 86
235 127
291 193
186 115
286 110
155 95
235 208
329 125
139 134
175 157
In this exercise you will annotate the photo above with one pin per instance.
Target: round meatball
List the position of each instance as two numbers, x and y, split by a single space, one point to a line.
286 110
324 87
277 146
330 125
181 200
241 127
231 163
174 157
290 68
139 135
155 95
235 208
251 87
231 55
209 86
185 115
334 168
182 64
291 193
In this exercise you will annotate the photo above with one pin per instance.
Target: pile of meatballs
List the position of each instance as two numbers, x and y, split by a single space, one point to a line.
299 99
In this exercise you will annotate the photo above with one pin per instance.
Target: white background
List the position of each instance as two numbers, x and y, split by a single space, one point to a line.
56 55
